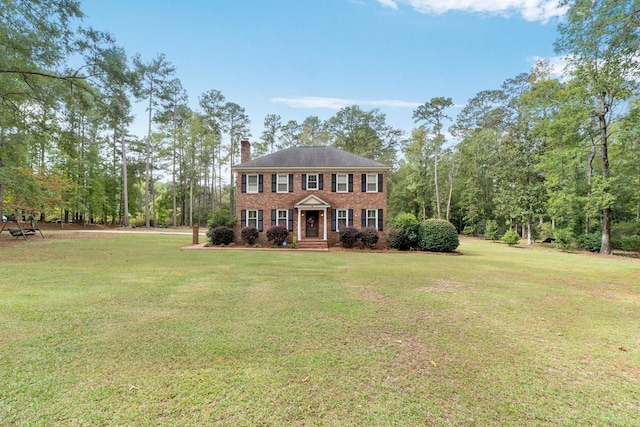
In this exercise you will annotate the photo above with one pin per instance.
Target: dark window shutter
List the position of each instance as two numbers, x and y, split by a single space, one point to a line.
350 218
273 182
364 182
333 182
290 220
244 183
350 183
364 218
380 183
304 181
243 218
260 220
290 183
274 217
321 182
260 183
380 221
334 220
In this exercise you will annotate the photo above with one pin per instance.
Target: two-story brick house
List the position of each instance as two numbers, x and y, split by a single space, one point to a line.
314 191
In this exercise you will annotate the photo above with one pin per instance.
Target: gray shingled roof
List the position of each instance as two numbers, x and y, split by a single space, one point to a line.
311 157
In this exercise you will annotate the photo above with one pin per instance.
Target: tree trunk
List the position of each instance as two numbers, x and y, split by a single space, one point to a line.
173 179
125 185
452 175
435 181
529 225
592 156
605 247
147 170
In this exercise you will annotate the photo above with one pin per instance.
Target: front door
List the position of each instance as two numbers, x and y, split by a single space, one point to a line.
312 224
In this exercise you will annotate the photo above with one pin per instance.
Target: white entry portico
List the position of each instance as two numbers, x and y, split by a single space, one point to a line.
311 204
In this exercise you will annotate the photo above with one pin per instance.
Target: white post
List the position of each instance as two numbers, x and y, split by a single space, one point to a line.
325 223
299 228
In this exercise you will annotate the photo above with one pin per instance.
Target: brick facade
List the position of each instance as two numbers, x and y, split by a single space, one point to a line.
257 202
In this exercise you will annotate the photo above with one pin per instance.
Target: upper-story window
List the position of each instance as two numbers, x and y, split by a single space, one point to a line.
342 183
312 181
372 183
252 183
283 183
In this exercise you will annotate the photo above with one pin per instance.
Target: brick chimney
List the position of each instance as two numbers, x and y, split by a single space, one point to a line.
245 150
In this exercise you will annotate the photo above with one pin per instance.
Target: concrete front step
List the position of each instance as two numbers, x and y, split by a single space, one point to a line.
316 245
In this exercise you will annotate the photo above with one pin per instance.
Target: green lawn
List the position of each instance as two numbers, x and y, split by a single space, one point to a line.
131 330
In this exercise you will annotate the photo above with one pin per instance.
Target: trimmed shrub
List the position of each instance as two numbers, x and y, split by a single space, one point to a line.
369 237
511 238
564 238
221 235
250 235
631 243
396 239
349 237
438 235
590 242
278 234
409 225
491 230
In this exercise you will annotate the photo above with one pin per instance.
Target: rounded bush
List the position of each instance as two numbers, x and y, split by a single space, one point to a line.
438 235
396 239
409 225
631 243
221 235
349 237
250 235
511 238
278 234
590 242
369 237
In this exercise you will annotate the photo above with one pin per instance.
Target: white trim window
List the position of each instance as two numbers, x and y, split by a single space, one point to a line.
252 183
283 183
252 218
342 218
372 183
312 181
372 218
282 217
342 183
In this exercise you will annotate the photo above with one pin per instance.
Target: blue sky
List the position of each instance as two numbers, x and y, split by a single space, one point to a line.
298 58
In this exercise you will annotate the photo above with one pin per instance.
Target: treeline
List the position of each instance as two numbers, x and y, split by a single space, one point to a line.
562 151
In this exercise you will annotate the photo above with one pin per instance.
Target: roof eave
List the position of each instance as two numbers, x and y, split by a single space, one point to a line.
308 168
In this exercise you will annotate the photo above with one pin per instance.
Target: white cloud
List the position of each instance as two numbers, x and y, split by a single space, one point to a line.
530 10
338 103
557 65
391 4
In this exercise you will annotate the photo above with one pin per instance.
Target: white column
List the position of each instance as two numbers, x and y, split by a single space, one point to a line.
299 228
325 224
